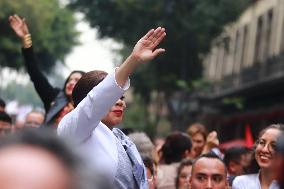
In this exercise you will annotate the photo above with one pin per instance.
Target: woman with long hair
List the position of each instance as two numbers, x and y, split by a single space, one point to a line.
57 102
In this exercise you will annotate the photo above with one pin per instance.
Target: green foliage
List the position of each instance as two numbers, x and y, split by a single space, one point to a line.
190 26
52 28
135 115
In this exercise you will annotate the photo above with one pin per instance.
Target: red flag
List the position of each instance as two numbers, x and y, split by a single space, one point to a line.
248 136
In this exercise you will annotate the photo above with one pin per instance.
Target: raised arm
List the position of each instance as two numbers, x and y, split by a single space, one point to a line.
44 89
81 122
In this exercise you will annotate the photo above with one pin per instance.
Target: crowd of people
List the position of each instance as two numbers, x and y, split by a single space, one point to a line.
76 144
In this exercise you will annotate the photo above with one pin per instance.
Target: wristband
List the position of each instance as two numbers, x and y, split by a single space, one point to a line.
27 41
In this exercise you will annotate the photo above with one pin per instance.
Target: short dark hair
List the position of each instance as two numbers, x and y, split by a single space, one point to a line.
210 155
234 154
174 147
85 84
149 163
5 117
2 103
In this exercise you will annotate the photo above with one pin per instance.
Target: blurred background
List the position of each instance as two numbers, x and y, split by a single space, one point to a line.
223 64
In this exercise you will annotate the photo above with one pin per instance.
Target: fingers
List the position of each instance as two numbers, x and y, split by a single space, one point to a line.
154 34
18 19
12 20
150 32
15 19
25 25
159 39
157 36
158 51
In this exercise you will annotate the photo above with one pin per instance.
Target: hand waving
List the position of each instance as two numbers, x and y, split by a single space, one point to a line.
212 141
144 49
19 26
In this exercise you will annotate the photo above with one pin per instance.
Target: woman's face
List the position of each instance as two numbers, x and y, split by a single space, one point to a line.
265 148
73 79
198 143
115 115
183 177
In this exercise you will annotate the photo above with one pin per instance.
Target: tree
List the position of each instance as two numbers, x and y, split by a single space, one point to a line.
190 26
51 25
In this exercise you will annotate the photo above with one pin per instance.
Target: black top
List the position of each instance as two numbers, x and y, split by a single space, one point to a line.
53 98
45 90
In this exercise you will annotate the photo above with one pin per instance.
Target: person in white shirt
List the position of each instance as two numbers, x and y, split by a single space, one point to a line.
99 106
265 157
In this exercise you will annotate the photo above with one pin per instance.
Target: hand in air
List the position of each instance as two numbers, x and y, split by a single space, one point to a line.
19 26
212 139
144 49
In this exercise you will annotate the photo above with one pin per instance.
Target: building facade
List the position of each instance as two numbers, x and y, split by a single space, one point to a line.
245 67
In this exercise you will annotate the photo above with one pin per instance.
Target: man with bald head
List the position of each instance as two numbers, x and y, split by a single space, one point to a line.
208 172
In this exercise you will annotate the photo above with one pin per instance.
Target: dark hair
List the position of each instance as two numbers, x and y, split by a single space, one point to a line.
66 81
184 163
5 117
87 82
234 154
210 155
175 146
2 103
149 163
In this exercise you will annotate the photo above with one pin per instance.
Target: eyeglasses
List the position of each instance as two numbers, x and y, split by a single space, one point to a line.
270 146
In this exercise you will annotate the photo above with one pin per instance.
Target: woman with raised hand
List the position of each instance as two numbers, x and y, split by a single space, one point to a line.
99 106
57 102
265 157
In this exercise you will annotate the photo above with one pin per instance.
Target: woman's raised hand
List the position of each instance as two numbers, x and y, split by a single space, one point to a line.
144 49
19 26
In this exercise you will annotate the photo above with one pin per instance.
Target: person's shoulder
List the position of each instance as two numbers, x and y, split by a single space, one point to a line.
245 178
64 123
245 181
